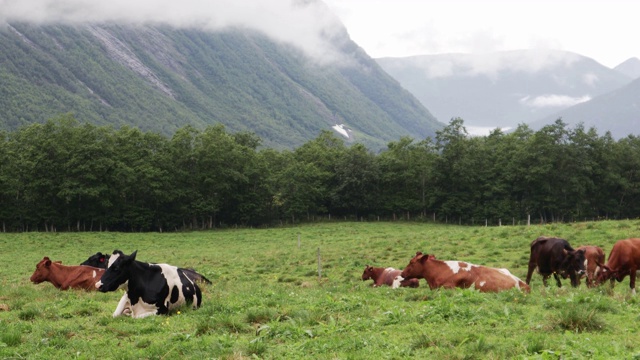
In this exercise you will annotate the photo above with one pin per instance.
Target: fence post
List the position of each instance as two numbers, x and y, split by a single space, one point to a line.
319 267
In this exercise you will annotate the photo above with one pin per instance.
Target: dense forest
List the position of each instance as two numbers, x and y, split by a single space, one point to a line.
64 175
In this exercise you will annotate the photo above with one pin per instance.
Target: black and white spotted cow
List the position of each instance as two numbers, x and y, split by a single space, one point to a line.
151 289
101 261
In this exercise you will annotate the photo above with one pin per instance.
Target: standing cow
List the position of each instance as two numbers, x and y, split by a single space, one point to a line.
452 274
151 289
624 259
593 256
387 276
554 256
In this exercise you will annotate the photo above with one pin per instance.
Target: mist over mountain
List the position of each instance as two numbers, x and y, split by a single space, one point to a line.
502 89
161 77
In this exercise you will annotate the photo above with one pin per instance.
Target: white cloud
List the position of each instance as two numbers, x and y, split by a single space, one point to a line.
305 24
489 64
553 100
590 79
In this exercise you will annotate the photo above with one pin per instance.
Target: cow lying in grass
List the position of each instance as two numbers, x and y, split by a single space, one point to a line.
64 277
387 276
101 260
151 289
452 274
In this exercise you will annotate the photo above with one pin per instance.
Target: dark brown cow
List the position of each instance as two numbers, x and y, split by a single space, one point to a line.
387 276
64 277
554 256
593 256
452 274
624 259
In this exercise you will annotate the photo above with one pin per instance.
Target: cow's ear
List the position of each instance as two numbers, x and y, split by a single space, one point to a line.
424 258
47 262
133 255
102 258
418 253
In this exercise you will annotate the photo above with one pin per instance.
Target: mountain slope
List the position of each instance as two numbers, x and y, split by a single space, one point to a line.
502 89
630 68
160 78
617 112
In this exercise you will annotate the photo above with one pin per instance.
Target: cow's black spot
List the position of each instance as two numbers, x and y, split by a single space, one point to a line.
175 294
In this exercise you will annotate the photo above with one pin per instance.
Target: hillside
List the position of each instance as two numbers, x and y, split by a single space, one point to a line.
617 112
630 68
502 89
160 78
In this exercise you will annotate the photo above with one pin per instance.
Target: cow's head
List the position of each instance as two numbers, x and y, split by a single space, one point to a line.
43 268
368 273
98 260
118 272
414 269
573 265
606 273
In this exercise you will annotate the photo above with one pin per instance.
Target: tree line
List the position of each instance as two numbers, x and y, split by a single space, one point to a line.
64 175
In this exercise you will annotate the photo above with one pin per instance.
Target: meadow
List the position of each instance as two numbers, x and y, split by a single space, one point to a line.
268 301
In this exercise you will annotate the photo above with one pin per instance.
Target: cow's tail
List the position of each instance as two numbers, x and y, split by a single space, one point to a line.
195 276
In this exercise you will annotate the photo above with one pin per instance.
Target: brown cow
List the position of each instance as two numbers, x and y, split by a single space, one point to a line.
64 277
593 255
388 276
624 259
452 274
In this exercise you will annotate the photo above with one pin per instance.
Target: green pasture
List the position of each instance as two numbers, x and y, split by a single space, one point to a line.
267 300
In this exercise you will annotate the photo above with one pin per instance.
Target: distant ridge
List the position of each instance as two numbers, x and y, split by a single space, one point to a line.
502 89
630 67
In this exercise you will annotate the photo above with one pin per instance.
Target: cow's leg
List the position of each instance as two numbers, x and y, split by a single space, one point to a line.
122 305
575 279
544 280
532 266
557 277
632 280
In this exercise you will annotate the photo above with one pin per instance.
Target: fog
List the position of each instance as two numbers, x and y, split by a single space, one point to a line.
306 24
490 64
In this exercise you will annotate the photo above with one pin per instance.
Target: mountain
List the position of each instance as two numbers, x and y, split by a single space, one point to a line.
630 68
502 89
160 78
617 111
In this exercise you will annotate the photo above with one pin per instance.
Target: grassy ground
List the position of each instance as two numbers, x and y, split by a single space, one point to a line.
266 300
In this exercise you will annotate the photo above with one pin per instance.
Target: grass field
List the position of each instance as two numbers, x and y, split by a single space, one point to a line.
266 300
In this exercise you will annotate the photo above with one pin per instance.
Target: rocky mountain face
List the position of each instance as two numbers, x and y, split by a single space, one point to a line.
160 78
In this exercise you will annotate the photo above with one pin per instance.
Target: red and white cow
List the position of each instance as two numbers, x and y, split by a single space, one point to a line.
64 277
593 255
387 276
624 259
453 274
151 289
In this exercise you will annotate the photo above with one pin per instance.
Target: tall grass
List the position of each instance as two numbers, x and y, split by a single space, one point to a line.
266 300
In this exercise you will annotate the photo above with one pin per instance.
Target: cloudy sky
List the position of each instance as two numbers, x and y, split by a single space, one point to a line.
605 31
